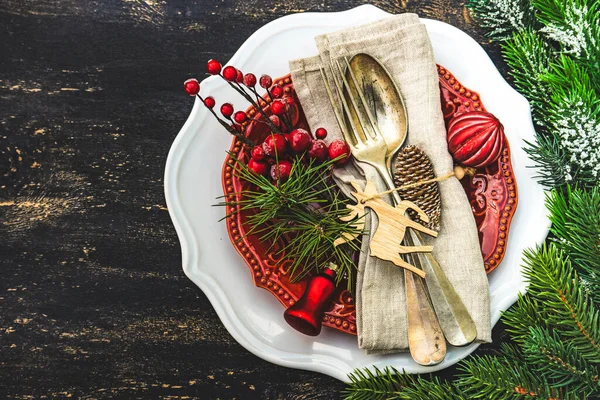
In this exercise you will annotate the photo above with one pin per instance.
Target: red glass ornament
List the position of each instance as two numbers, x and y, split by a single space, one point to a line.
339 148
321 133
250 80
192 87
230 73
306 315
209 102
475 139
213 67
240 117
276 91
226 110
265 81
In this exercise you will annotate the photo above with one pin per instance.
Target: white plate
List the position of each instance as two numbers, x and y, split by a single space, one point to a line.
192 183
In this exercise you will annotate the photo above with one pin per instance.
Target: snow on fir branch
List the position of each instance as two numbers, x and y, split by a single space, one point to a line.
502 18
574 25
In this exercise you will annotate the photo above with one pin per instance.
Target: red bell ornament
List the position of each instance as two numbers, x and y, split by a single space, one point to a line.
306 315
475 139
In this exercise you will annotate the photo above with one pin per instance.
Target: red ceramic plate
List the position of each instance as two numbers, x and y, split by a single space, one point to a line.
492 192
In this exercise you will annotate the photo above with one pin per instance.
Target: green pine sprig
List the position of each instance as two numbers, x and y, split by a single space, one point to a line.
303 213
560 362
553 282
390 383
575 215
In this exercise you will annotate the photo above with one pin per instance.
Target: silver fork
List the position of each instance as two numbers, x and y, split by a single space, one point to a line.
425 337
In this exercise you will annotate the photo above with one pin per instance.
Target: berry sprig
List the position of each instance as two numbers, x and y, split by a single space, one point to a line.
192 87
245 84
274 156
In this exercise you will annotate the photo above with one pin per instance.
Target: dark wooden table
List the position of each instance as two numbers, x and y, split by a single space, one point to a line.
93 301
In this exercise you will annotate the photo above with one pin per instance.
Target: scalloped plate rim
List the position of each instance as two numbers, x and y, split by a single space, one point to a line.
506 294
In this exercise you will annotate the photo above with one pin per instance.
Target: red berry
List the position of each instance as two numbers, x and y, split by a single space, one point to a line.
258 153
339 148
274 144
289 100
277 91
321 133
230 73
226 110
213 67
258 167
192 87
265 81
299 140
240 117
250 80
281 171
209 102
278 107
318 150
240 77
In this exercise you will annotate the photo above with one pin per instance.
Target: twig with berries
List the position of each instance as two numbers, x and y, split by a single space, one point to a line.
245 85
192 87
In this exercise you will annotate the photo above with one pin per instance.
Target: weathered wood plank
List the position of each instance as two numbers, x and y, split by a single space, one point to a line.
93 300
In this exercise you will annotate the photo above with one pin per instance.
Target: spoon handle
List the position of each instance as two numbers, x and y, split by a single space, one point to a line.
425 338
455 320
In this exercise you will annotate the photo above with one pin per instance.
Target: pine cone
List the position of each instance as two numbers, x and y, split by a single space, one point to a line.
410 166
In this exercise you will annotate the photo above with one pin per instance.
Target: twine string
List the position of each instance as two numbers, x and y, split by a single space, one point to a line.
414 184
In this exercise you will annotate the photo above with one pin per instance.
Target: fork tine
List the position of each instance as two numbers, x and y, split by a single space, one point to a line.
357 111
346 107
338 116
365 105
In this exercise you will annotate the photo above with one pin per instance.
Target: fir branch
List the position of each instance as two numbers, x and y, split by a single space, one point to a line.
573 117
574 25
575 216
560 362
524 314
502 378
529 56
503 18
550 161
552 282
389 383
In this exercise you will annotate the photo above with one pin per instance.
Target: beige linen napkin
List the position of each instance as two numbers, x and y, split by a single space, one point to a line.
401 43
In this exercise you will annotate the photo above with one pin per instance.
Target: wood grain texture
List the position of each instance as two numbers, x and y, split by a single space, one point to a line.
93 301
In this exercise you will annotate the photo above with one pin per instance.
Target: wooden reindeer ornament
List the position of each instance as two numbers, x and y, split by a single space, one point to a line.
386 241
